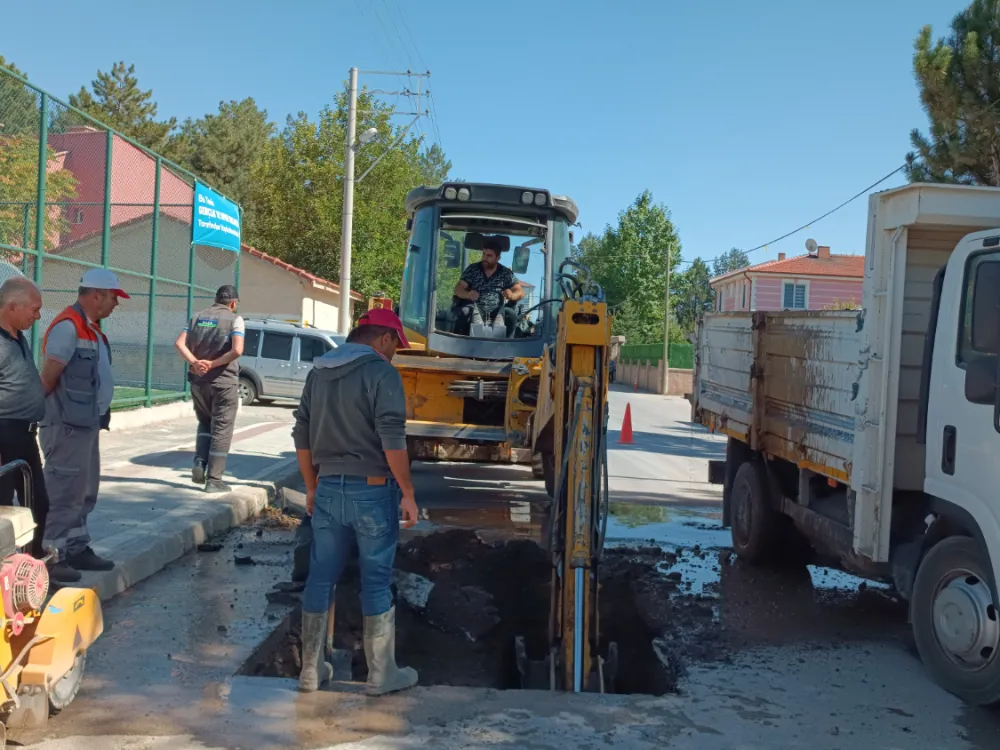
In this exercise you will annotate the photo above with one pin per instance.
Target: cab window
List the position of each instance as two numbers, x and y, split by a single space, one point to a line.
416 272
980 322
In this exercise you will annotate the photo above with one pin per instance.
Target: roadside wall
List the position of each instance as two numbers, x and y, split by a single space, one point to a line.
646 376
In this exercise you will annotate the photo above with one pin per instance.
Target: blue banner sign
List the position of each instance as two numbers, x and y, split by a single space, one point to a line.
216 220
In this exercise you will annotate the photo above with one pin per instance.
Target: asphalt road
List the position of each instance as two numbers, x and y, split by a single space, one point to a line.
815 660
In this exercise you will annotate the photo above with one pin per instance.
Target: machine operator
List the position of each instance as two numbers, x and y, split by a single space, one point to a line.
488 285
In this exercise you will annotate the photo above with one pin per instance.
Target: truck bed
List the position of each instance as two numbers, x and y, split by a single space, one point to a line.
786 383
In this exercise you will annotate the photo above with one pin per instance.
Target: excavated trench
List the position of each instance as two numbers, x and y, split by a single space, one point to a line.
460 631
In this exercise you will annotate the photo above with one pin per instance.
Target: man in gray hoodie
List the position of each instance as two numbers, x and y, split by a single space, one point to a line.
350 440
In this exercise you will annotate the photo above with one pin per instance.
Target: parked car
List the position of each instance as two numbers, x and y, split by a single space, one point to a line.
277 357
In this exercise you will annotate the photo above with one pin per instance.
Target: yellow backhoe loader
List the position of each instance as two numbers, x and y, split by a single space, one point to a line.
487 384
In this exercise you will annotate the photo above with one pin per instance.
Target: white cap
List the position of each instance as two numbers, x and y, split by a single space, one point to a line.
102 278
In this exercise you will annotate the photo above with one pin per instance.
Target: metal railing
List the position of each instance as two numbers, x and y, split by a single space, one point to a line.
76 194
681 354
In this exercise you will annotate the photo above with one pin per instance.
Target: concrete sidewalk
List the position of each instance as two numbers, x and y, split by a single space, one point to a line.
149 513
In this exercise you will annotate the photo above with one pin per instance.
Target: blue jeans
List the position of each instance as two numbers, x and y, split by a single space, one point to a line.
349 508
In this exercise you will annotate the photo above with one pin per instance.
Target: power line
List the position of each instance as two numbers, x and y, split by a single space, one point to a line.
377 40
853 198
794 231
419 59
409 33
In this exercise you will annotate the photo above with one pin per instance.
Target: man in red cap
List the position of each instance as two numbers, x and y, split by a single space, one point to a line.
79 386
350 439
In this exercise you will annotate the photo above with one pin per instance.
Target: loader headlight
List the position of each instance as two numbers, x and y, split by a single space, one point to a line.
463 194
527 198
540 199
450 193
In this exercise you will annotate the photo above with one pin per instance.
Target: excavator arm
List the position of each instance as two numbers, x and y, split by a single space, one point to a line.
577 388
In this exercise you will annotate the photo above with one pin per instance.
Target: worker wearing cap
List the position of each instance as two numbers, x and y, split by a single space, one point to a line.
77 378
350 441
211 345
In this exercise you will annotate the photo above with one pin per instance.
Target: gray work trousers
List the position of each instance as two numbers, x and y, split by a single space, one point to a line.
72 478
215 405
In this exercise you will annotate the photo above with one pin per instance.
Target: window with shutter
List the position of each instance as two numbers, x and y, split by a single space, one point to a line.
794 296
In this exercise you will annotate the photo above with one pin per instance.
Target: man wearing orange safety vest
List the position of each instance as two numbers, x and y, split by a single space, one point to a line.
79 387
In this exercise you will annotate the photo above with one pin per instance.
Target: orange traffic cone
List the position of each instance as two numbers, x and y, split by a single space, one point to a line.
625 436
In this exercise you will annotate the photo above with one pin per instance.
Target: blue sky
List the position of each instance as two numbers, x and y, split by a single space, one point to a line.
745 119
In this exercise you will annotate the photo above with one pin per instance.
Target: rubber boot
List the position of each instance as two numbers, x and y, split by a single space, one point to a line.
380 651
315 669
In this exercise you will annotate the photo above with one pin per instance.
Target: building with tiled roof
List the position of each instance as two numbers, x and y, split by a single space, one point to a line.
806 282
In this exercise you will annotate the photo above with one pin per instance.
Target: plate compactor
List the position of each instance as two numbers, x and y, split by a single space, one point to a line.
45 638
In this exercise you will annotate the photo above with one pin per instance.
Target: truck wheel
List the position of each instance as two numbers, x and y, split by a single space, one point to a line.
537 466
247 391
62 693
956 623
755 524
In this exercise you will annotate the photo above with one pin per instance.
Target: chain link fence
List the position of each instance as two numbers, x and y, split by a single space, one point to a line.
75 194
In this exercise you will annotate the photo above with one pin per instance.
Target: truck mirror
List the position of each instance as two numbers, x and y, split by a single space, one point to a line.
981 380
522 255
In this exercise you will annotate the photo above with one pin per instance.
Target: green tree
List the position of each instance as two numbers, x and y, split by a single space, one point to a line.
222 148
630 261
434 167
116 100
19 147
732 260
959 82
297 195
691 297
19 112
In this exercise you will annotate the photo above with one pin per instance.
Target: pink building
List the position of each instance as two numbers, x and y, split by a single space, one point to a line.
806 282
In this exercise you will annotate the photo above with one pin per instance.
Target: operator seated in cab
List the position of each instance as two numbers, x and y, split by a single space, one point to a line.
489 286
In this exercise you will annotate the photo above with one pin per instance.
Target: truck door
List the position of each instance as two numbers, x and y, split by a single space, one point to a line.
963 421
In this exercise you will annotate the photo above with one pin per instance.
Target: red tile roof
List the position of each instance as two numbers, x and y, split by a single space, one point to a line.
849 266
299 271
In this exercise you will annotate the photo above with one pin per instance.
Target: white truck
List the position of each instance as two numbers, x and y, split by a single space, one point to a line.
874 435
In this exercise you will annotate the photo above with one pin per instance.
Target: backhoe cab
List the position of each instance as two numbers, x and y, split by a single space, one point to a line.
472 375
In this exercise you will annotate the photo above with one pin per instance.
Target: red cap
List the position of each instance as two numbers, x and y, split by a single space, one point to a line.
386 319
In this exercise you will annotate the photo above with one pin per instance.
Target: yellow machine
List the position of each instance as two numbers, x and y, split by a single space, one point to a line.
45 638
527 385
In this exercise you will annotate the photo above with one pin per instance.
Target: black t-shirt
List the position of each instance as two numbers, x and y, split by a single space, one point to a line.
489 287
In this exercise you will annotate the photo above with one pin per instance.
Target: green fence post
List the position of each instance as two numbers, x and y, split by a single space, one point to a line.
43 166
151 320
106 234
26 237
190 305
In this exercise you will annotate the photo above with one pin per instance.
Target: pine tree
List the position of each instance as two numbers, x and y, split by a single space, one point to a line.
732 260
116 100
959 81
222 148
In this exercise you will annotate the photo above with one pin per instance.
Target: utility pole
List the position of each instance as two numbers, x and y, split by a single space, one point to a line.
666 331
347 228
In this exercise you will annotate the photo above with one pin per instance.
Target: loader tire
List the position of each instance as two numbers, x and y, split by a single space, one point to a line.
756 525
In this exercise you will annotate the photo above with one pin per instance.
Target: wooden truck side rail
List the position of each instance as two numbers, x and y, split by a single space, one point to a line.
784 383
